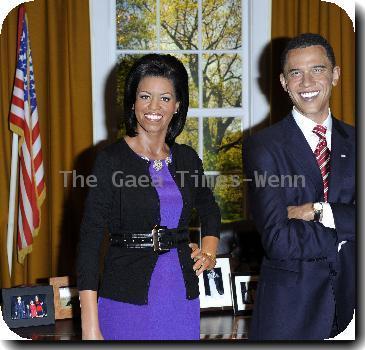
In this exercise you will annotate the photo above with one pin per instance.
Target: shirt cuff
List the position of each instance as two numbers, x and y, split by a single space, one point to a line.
327 217
329 221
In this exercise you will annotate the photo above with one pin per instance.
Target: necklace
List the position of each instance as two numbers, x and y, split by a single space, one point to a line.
157 163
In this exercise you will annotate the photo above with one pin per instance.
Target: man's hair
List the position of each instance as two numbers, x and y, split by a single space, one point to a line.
164 66
305 40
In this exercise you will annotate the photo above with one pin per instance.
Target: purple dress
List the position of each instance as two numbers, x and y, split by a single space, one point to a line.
168 314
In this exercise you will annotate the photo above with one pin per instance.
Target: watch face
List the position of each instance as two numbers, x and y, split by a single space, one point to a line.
317 206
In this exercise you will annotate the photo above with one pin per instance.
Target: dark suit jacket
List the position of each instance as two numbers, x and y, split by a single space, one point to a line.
304 281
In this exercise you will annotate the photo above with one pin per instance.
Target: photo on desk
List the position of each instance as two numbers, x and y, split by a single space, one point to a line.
244 288
66 297
214 287
28 306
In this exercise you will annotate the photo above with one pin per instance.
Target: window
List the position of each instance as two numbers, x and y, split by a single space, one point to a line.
216 41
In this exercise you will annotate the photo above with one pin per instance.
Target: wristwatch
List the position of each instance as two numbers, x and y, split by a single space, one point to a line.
318 211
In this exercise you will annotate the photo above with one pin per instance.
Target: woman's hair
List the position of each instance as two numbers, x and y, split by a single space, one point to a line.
154 65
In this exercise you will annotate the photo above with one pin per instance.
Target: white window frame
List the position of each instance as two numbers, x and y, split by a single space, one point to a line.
256 21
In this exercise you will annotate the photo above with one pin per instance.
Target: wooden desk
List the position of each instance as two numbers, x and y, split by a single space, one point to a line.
69 329
213 327
223 326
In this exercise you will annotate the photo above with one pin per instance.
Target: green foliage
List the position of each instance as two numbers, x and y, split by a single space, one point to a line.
222 81
124 65
136 22
229 192
179 25
221 24
189 135
222 144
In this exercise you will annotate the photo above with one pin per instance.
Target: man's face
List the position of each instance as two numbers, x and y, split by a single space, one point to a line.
308 78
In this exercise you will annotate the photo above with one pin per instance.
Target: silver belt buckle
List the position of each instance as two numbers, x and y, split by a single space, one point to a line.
156 236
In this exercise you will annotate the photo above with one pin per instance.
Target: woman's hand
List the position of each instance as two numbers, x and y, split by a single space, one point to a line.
203 260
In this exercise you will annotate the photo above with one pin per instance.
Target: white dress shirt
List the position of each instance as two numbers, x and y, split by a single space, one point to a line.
306 125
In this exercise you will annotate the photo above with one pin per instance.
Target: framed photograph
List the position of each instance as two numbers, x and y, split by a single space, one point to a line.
244 288
66 297
28 306
215 288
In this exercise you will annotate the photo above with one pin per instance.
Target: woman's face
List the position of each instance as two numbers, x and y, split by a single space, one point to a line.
155 105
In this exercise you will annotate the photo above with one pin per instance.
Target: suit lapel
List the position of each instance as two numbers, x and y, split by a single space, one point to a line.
299 150
339 159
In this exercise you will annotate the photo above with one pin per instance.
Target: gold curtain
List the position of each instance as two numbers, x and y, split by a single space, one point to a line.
60 41
293 17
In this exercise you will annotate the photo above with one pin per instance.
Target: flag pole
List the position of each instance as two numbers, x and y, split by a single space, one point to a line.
14 167
11 215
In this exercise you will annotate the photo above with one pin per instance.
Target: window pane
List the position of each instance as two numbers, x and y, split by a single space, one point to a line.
179 24
191 64
223 152
124 64
136 24
222 76
222 140
221 24
189 135
228 192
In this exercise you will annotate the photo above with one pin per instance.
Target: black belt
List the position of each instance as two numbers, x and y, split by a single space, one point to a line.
160 238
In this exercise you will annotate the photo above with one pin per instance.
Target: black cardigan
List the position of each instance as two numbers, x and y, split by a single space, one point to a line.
118 204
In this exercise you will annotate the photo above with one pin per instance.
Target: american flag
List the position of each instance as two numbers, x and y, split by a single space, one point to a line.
24 122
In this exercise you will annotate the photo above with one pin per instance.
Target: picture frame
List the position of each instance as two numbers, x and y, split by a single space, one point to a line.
244 287
66 297
215 287
28 306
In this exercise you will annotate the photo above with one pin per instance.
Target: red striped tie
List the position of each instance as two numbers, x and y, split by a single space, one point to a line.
322 154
